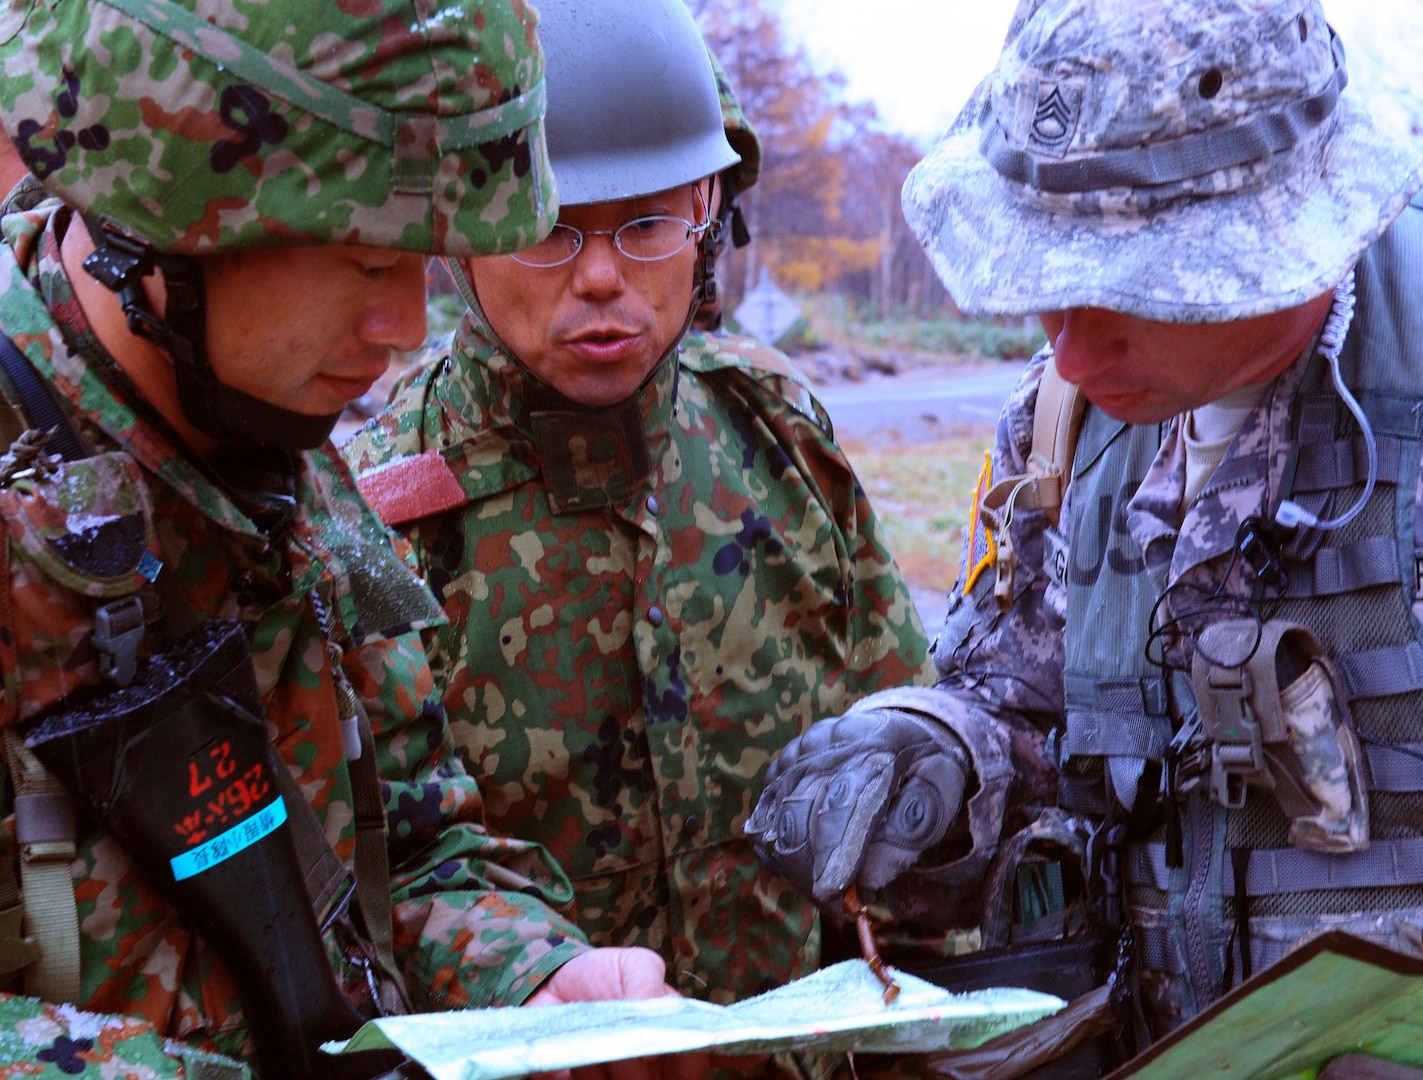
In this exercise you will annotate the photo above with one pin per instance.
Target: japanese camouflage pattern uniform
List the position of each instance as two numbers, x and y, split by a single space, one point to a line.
630 644
471 925
282 124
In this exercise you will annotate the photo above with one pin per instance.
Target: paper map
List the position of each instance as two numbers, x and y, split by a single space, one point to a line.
839 1008
1335 995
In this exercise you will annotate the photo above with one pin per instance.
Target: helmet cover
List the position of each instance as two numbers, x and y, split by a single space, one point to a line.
210 125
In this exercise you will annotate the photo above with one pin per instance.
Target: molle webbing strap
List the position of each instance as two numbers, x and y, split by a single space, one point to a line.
44 825
1114 694
1095 735
1334 570
1395 768
1157 949
1284 871
1382 672
1341 463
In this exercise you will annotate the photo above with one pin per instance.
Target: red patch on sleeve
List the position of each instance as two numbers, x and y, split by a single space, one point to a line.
411 488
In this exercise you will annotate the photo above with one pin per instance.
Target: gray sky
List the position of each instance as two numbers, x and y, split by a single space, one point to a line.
918 60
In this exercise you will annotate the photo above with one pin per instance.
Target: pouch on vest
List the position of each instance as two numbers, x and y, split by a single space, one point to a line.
179 768
1273 717
88 524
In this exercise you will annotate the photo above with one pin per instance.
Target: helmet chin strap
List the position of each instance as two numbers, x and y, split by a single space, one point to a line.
232 417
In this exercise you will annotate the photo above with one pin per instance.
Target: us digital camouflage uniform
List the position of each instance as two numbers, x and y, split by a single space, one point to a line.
627 650
1080 685
471 925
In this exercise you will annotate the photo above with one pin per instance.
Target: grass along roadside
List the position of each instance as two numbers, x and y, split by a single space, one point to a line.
921 493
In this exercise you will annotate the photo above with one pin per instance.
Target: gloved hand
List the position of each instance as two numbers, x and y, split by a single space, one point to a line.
856 800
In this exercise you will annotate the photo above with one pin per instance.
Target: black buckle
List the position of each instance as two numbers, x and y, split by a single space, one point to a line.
118 262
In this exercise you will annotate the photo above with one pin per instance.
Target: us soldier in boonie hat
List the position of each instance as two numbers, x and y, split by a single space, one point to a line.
1190 162
1180 670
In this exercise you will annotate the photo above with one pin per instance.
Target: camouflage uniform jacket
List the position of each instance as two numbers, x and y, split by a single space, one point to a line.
624 655
1072 695
471 925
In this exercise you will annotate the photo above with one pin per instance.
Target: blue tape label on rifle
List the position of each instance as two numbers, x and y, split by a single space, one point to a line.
225 845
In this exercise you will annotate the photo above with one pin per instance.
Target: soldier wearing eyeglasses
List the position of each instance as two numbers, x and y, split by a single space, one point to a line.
657 564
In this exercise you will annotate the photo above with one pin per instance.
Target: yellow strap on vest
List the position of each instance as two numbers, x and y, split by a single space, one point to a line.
44 825
1057 420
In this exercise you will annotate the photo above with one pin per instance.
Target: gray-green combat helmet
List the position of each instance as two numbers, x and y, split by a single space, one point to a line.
184 127
633 105
1181 160
633 109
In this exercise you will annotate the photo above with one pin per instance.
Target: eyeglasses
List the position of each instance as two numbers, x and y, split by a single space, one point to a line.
643 239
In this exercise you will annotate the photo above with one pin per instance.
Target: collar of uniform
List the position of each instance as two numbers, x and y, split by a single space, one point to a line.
1245 484
588 457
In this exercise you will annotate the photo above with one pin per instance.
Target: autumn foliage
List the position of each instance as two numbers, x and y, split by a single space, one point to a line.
825 214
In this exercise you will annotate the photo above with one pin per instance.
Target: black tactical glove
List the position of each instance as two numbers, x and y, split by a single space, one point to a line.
856 800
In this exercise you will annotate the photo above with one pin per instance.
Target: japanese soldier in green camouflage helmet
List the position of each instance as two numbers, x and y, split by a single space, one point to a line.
657 563
222 242
179 136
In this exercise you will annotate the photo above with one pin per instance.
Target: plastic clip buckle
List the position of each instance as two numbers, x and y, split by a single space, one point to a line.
118 632
1237 747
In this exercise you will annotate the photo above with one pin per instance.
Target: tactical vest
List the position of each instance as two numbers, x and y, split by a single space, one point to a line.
1241 883
39 930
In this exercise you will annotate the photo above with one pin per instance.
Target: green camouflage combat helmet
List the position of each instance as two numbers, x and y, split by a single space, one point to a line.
181 128
199 126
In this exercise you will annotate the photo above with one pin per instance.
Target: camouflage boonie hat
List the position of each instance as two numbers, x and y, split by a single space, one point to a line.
200 126
739 132
1185 161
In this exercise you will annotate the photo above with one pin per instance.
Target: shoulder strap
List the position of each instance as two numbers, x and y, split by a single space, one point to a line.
44 825
44 811
1057 421
36 401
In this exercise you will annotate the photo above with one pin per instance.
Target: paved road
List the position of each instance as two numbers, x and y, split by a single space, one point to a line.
919 409
913 408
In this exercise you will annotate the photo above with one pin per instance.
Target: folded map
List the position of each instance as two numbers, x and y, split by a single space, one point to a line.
836 1009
